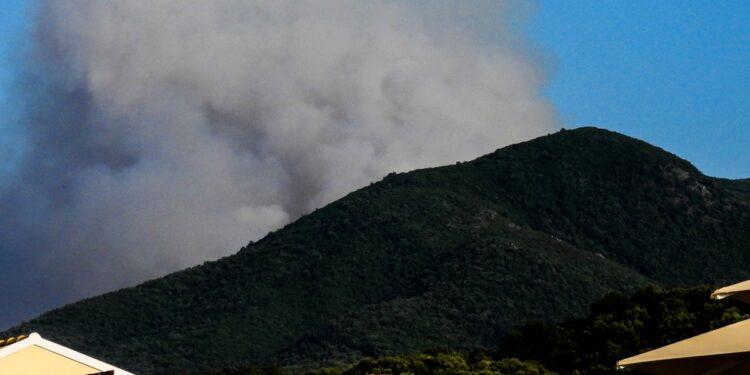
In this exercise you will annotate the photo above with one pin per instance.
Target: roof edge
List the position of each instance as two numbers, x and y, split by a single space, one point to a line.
35 339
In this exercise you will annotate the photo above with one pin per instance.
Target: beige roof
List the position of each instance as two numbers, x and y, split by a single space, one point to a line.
722 351
739 291
20 343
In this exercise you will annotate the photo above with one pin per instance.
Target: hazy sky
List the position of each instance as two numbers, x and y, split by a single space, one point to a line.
12 21
156 135
674 73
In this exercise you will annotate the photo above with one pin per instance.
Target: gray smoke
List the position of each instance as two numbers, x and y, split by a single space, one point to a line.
160 134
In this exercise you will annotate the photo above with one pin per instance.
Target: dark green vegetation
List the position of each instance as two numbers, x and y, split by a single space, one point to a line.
634 203
441 257
616 327
439 363
428 363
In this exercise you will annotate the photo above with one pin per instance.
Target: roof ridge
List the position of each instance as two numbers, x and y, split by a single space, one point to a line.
12 340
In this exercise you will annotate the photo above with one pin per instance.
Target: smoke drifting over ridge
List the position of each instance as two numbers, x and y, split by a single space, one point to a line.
162 134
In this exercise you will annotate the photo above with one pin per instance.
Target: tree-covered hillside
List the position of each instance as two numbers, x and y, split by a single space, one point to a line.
620 326
442 257
617 327
632 202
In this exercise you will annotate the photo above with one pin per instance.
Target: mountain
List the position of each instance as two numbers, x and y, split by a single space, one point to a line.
441 257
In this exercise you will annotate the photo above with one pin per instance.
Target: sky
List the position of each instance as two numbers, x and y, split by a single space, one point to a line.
13 20
673 73
157 135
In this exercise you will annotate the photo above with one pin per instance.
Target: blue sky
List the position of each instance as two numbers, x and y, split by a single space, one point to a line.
673 73
12 20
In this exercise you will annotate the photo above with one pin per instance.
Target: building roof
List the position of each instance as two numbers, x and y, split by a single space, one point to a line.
15 344
11 340
722 351
739 291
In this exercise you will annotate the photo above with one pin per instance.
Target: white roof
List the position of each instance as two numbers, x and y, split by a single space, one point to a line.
36 339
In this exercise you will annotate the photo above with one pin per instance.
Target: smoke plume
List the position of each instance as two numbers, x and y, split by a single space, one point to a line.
160 134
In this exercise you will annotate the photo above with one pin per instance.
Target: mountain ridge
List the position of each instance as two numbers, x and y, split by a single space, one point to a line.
445 256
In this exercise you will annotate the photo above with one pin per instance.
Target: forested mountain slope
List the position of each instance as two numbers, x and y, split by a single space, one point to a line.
633 202
447 256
